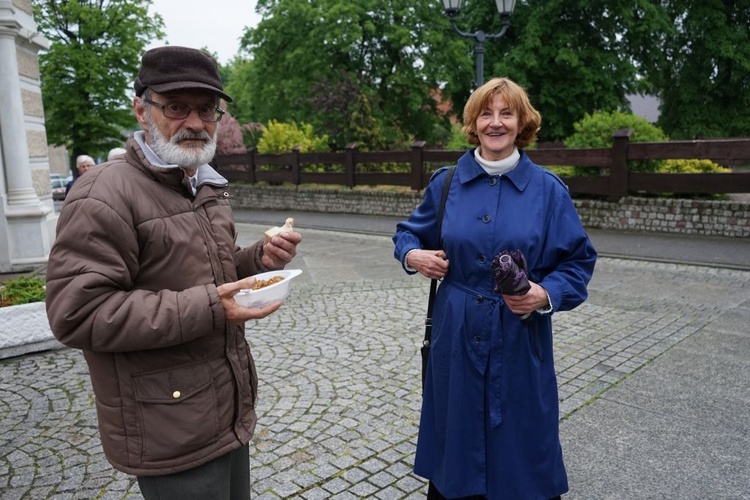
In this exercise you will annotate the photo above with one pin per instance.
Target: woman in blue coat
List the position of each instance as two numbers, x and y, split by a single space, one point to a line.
489 422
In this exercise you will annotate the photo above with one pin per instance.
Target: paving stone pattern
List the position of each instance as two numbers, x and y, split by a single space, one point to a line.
339 393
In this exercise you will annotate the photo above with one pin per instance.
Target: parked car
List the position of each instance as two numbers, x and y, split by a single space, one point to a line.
58 188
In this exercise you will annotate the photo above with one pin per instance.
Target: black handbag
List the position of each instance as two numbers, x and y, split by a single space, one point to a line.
425 349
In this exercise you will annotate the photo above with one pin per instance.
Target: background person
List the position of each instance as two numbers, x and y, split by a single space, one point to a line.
489 422
141 278
115 153
83 164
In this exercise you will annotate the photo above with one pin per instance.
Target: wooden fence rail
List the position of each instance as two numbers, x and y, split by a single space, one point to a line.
352 167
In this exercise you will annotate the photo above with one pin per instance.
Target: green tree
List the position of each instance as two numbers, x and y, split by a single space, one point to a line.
320 61
573 57
703 77
576 57
345 113
94 55
382 58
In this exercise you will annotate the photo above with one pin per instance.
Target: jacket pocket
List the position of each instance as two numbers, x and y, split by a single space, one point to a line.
176 411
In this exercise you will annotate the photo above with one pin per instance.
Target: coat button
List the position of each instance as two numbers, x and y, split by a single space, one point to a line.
176 394
226 194
493 181
477 339
486 219
478 299
482 259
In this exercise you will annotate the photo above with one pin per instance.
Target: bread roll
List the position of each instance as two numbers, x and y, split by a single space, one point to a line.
286 228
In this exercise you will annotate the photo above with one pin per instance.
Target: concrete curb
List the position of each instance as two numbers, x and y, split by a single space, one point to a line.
24 329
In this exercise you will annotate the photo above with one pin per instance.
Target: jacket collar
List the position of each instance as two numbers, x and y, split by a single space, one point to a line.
468 170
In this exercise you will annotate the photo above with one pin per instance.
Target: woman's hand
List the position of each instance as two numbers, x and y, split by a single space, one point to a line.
236 314
535 298
430 263
280 250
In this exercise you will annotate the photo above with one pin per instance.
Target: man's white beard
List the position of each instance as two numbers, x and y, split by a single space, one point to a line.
171 152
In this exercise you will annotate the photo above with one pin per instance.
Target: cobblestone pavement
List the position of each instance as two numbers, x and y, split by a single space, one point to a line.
339 391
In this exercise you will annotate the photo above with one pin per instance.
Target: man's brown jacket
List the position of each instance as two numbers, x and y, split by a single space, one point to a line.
131 281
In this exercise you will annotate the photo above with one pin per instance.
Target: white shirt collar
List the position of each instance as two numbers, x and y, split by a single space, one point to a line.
498 167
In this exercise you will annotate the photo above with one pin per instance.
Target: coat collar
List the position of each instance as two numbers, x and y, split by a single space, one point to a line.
468 170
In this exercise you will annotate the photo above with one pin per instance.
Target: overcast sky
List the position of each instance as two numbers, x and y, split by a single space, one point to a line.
215 24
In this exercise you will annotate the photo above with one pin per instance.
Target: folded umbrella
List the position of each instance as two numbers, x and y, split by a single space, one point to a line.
510 274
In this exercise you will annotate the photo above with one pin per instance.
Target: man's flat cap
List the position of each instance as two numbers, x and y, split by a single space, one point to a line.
169 68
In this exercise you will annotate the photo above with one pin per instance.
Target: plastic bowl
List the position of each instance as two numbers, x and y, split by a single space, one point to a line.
271 293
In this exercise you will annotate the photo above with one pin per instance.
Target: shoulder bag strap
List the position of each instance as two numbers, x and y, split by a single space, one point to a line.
433 283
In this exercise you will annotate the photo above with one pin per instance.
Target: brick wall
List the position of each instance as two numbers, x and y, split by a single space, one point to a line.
707 217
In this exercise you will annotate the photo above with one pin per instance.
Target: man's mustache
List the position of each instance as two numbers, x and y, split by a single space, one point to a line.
187 134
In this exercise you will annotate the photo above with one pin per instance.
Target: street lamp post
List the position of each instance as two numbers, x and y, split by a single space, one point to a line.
504 8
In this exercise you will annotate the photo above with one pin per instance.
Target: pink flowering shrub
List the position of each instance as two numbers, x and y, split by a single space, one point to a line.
229 137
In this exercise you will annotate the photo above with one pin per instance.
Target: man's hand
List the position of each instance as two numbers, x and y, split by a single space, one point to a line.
237 314
280 250
431 263
535 298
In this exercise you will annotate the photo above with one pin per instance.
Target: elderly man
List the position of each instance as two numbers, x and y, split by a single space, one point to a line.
142 277
83 164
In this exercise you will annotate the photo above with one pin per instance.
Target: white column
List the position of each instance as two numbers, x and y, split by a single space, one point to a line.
25 235
12 125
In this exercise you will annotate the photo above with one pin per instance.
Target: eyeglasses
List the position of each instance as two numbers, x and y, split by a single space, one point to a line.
179 111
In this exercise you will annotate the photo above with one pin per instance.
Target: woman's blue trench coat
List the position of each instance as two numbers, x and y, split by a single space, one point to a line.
489 423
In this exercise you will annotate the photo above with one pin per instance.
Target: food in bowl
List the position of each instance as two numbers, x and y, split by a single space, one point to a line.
264 283
271 287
